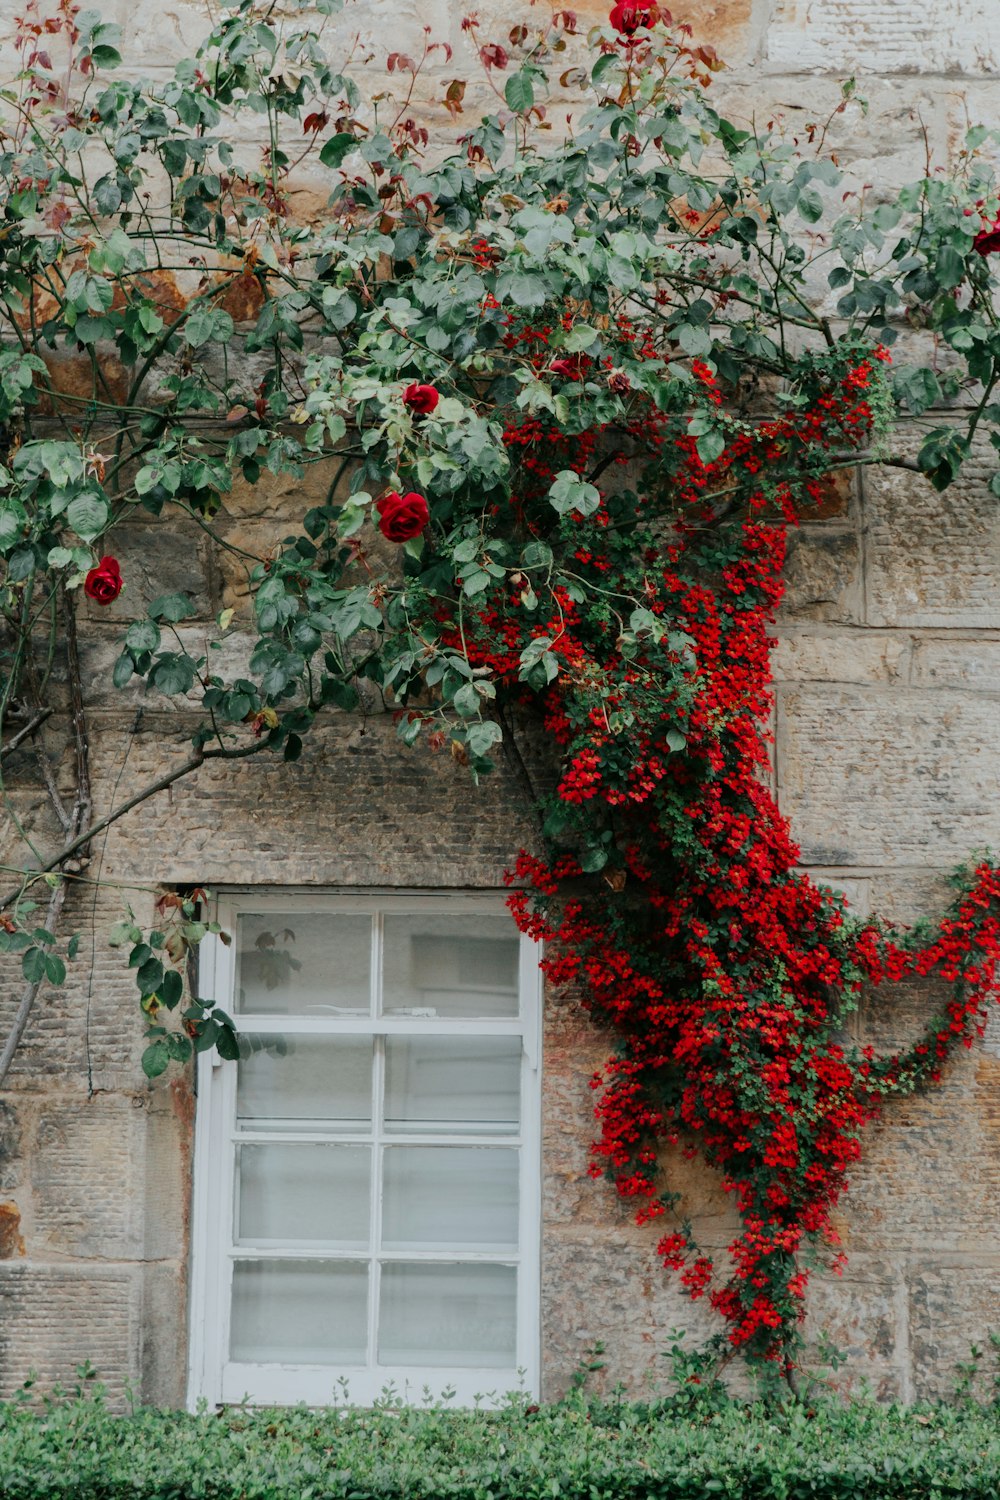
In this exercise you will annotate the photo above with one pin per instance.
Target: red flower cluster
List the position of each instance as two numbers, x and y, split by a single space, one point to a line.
402 517
724 973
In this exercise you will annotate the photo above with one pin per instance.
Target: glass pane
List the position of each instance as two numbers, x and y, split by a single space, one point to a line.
463 965
449 1198
301 1195
448 1315
305 1083
461 1085
301 1312
303 964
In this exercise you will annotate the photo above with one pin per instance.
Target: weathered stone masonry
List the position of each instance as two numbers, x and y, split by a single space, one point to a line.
887 728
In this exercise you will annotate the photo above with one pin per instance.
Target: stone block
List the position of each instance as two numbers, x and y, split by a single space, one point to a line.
933 559
87 1192
168 556
837 655
883 36
929 1177
602 1286
162 1358
55 1318
905 896
860 1314
823 576
957 661
953 1307
312 822
887 778
11 1160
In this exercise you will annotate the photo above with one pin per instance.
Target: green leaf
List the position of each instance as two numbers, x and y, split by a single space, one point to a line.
172 988
179 1046
569 492
33 965
149 976
13 518
481 737
88 514
594 859
711 445
172 607
208 325
121 673
475 582
580 337
55 969
156 1058
519 93
336 148
917 388
173 674
810 205
227 1045
143 635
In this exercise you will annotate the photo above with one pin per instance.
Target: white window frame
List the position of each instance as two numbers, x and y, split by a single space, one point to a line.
213 1377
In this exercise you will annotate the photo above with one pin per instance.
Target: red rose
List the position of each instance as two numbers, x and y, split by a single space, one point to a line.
628 15
104 583
987 241
421 399
402 517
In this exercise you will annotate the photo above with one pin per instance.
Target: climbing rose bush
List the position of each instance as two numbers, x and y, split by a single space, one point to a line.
584 382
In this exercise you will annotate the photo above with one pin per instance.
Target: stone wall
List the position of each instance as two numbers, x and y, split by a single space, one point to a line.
886 759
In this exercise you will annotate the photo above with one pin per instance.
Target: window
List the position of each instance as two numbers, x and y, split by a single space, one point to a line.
366 1176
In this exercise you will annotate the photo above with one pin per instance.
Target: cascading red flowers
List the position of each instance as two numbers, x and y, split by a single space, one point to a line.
724 973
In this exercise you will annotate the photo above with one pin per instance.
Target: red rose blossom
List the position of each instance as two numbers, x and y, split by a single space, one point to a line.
104 583
402 517
628 15
421 399
987 241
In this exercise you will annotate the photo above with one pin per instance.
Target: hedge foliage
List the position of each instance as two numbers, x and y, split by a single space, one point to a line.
78 1450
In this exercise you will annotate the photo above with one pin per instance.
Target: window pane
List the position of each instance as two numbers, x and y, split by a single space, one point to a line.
462 1316
304 1312
304 1195
303 963
305 1083
455 1084
450 966
449 1198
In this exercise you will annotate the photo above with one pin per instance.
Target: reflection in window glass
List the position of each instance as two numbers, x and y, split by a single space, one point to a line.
449 1197
450 966
305 1082
462 1316
304 1194
300 1312
462 1085
303 963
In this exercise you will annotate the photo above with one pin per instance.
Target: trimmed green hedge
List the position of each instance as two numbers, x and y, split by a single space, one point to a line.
77 1450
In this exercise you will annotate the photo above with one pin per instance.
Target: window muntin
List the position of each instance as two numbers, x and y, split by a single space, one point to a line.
373 1210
